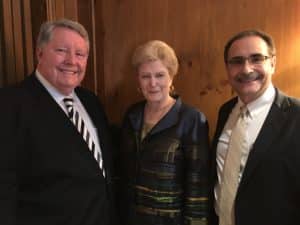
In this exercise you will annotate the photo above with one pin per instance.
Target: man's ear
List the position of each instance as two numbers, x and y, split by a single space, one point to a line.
273 61
39 53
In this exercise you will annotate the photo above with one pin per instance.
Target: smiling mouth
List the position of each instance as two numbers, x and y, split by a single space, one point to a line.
71 72
248 77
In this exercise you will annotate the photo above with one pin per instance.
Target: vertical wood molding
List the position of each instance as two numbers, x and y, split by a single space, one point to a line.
17 51
98 35
50 9
29 53
18 39
94 49
85 17
71 9
8 39
59 9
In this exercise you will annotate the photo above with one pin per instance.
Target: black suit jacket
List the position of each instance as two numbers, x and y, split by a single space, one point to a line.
269 191
47 173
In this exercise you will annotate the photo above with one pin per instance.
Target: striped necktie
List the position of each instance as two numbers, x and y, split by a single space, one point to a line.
231 171
82 129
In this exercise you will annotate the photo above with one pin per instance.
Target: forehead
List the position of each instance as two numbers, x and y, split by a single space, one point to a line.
61 35
156 65
247 46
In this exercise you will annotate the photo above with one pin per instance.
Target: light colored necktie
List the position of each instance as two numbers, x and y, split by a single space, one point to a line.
230 179
82 129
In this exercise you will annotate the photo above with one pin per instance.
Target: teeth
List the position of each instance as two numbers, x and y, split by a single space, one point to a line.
67 71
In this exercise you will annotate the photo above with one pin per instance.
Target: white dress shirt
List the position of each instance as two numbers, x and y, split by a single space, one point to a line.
58 97
258 111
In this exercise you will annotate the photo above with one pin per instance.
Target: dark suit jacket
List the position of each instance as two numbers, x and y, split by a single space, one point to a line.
269 191
47 173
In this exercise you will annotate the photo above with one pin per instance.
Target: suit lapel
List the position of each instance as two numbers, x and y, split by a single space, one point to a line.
222 118
50 107
269 132
170 119
50 111
136 118
44 102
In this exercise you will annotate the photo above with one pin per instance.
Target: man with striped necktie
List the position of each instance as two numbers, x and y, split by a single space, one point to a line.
55 145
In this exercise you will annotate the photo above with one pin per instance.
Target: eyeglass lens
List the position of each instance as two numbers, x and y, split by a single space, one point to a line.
253 59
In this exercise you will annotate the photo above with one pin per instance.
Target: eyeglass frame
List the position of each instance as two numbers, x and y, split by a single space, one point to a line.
250 59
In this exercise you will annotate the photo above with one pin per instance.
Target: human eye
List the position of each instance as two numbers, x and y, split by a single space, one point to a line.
61 50
81 55
257 58
237 60
160 75
145 76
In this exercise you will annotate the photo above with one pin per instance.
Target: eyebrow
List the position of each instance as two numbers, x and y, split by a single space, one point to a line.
252 54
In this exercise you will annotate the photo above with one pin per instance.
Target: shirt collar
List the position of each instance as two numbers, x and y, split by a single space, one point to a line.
58 97
256 106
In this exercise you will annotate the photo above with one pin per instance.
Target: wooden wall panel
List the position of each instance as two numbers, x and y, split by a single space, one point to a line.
98 50
38 16
8 44
86 18
18 39
28 39
16 50
21 21
198 31
15 59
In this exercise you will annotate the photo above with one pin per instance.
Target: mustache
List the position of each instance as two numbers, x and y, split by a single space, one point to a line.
246 77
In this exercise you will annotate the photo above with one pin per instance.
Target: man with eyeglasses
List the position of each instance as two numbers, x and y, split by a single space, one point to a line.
256 147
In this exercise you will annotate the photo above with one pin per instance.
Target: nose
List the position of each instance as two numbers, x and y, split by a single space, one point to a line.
152 81
70 57
247 66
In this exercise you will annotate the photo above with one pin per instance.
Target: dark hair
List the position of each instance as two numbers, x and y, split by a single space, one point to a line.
248 33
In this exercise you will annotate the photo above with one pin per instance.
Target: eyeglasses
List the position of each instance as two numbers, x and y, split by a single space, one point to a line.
255 59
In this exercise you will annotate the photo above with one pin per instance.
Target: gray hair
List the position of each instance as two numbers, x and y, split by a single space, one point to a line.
47 28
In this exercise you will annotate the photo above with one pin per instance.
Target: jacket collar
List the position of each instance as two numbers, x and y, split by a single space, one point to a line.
269 132
136 117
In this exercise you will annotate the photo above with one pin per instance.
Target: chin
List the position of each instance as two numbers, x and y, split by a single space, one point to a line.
153 100
152 97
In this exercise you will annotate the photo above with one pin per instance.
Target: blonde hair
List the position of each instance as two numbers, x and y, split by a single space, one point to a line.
156 50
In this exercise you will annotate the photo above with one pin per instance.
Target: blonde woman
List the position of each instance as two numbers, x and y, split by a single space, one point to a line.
164 146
